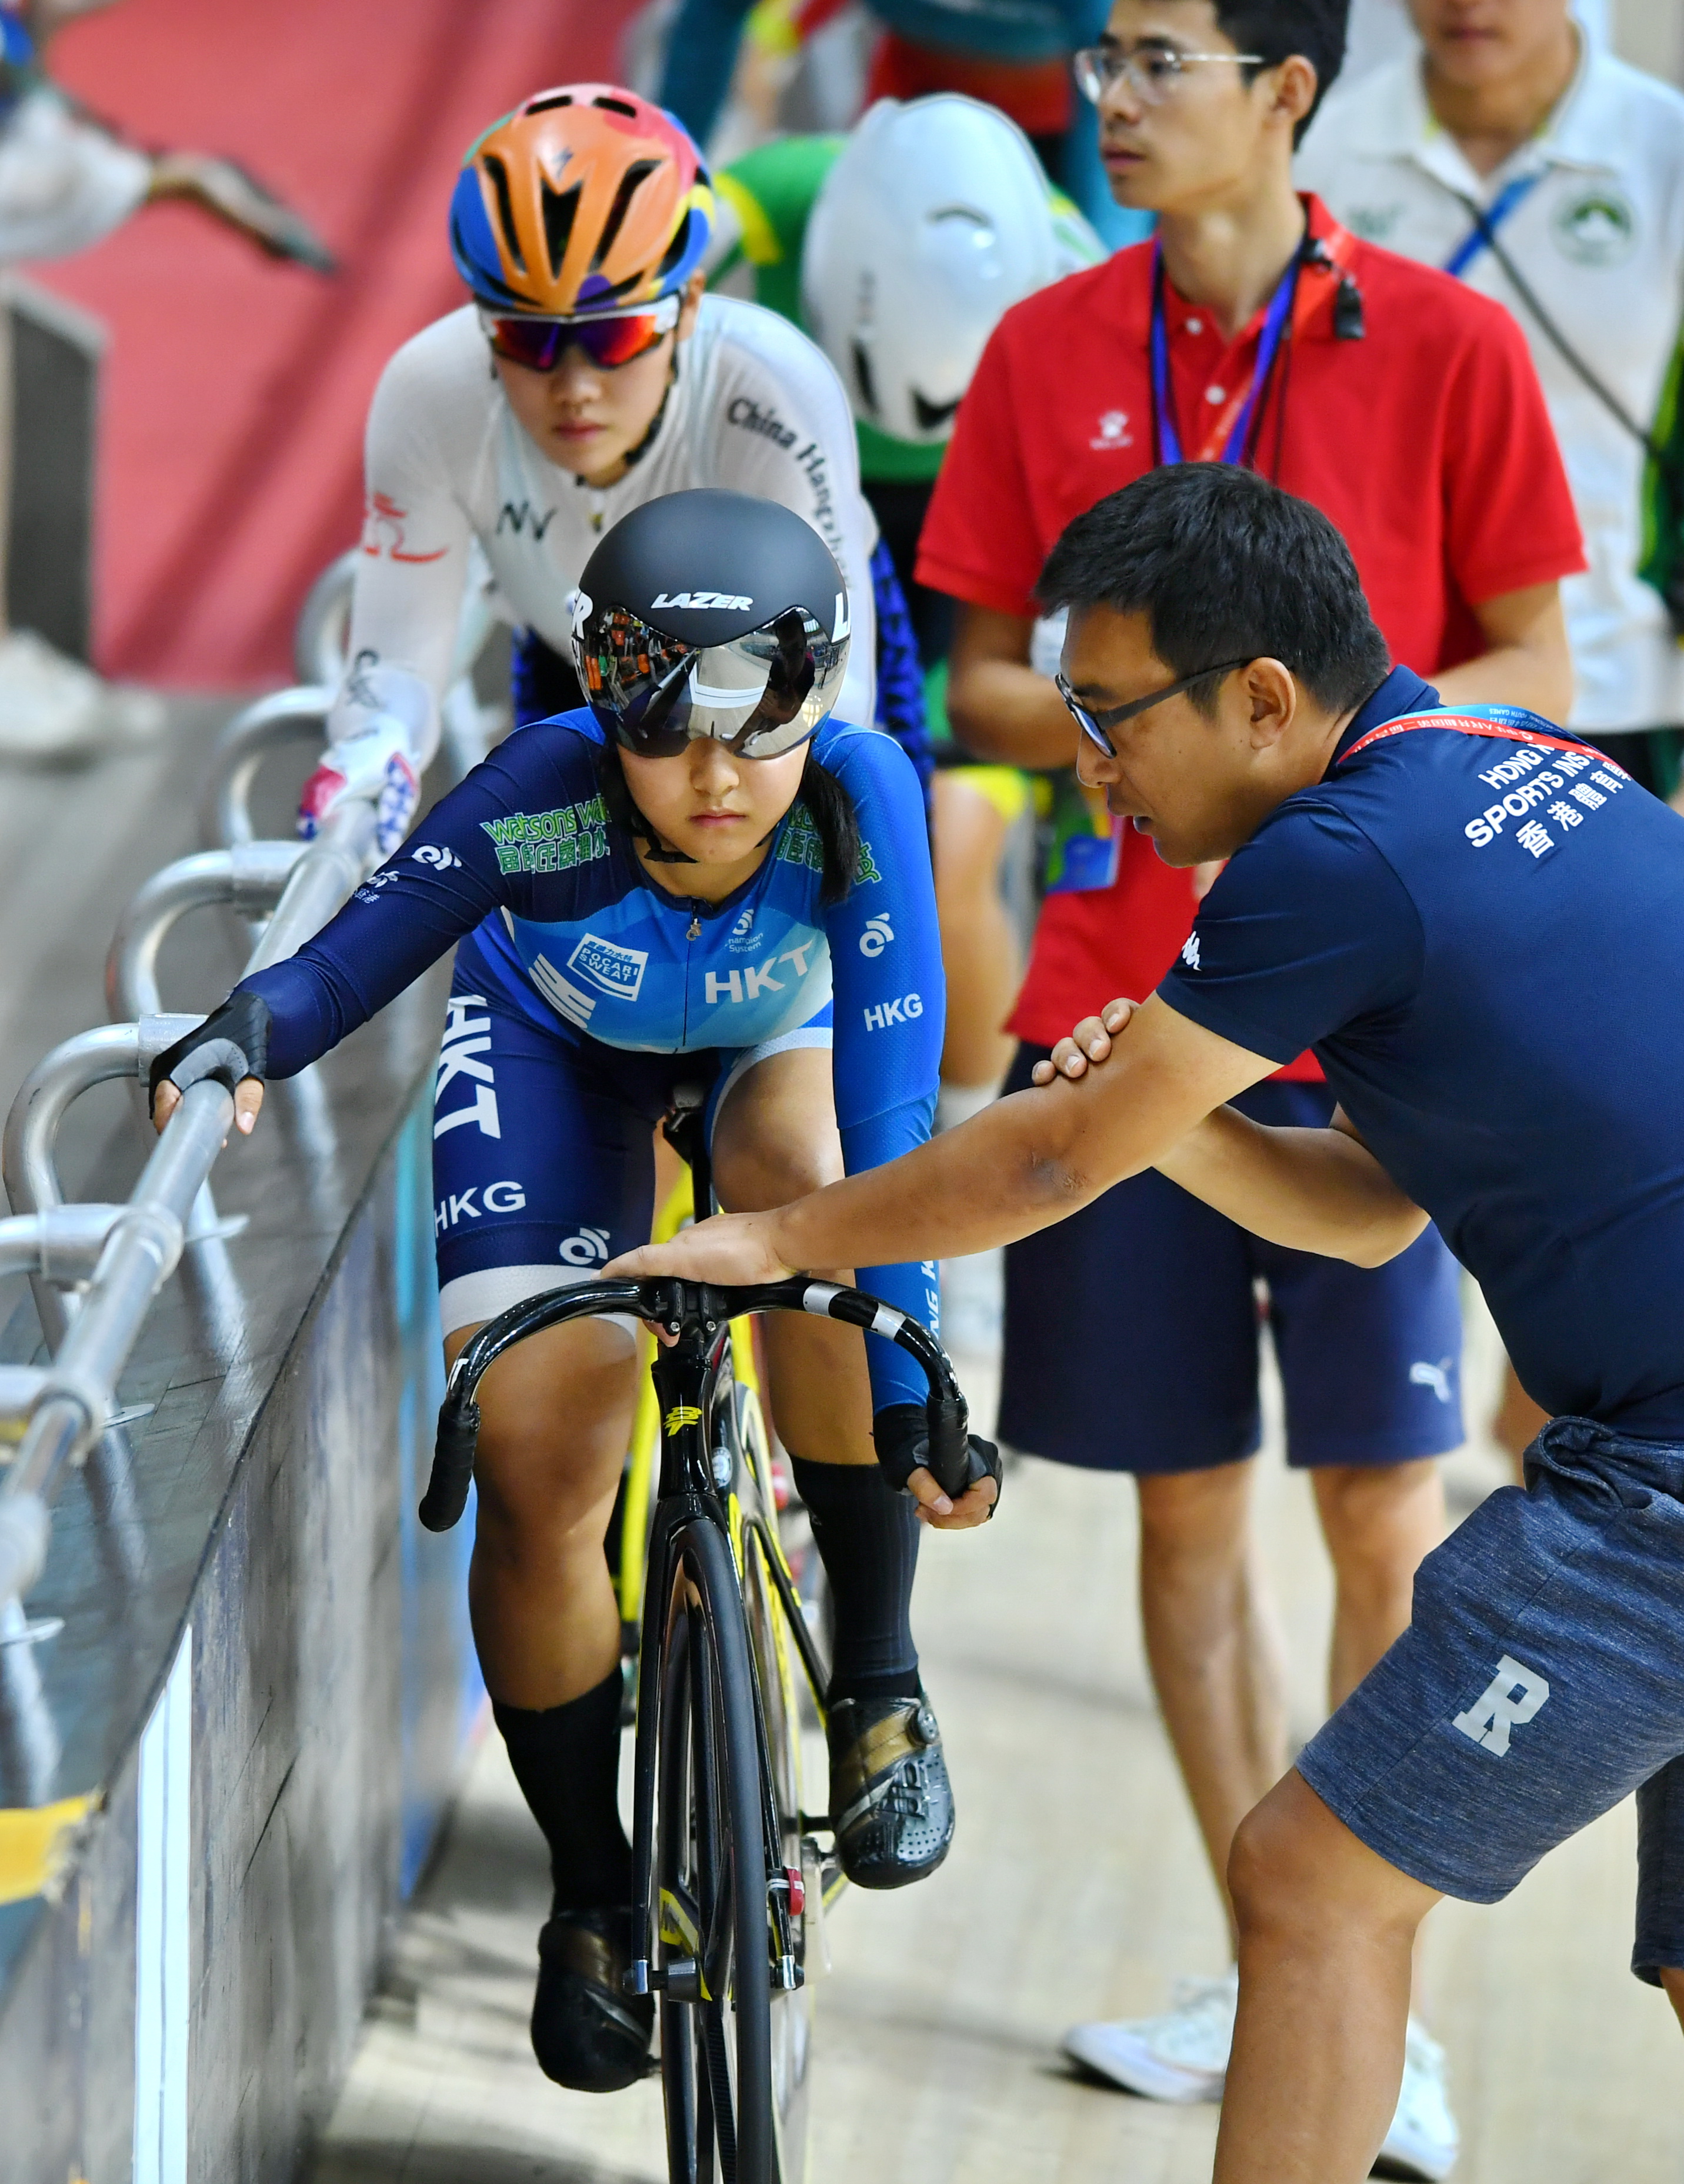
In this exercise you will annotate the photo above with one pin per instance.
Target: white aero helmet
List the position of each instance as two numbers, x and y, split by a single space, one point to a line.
935 219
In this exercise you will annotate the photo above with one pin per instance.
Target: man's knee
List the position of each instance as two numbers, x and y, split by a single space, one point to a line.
1191 1520
1296 1870
1379 1519
773 1167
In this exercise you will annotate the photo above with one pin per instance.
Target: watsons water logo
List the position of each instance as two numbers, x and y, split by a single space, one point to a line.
611 969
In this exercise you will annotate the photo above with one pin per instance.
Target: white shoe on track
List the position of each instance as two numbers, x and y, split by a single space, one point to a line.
1423 2142
1181 2056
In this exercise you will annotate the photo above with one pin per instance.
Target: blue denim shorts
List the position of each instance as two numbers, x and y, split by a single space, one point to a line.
1540 1682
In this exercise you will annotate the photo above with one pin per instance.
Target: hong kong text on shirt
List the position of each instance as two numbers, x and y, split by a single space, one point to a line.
1539 777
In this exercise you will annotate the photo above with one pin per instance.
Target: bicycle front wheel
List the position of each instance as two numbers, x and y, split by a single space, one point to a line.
712 1874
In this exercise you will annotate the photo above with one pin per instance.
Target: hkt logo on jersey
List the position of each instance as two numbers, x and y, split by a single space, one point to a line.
610 968
907 1010
733 600
877 935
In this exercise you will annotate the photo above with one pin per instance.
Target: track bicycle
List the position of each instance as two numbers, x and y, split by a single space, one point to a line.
727 1869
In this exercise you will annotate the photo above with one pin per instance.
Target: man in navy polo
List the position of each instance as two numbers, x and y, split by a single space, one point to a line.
1478 925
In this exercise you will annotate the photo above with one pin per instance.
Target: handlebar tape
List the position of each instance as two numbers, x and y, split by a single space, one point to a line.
446 1494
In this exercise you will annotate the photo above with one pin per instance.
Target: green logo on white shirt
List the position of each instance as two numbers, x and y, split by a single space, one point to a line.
1596 227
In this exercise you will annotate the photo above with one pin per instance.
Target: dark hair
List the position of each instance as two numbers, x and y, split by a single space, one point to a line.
826 802
1278 29
1224 566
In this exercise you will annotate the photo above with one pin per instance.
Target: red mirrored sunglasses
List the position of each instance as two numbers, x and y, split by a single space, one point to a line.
609 339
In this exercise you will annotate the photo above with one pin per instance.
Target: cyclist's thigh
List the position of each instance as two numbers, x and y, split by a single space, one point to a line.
1370 1357
543 1165
773 1120
1131 1339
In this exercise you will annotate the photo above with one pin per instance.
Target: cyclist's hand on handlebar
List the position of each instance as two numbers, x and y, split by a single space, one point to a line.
1091 1041
973 1507
728 1250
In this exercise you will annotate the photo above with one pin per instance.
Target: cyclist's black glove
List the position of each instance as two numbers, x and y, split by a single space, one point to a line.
231 1043
902 1433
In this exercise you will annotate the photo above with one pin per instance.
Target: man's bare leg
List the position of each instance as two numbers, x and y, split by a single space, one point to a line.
1212 1646
1326 1929
1673 1982
1379 1520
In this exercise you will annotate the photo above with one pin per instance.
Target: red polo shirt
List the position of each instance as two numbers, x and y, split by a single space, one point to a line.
1427 442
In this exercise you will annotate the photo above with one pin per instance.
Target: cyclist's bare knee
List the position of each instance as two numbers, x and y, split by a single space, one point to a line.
775 1138
555 1418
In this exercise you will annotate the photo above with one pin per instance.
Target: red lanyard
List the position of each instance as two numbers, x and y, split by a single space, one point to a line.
1487 721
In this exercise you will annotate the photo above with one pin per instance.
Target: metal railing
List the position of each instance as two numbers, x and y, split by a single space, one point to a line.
118 1256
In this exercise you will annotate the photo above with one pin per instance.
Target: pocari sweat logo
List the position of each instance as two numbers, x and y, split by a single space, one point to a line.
609 968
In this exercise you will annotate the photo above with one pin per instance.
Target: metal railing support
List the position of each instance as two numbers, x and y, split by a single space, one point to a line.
287 717
138 1246
249 877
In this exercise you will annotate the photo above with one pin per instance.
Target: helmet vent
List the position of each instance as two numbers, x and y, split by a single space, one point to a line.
676 248
862 372
505 207
560 207
929 415
630 182
544 105
616 106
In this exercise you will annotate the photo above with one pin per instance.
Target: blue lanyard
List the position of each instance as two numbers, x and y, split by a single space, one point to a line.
1508 198
1162 399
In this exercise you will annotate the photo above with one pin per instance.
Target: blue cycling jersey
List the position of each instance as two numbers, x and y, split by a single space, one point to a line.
522 864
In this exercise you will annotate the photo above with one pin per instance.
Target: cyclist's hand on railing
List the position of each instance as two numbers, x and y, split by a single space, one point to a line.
1091 1041
374 765
900 1431
231 1045
732 1250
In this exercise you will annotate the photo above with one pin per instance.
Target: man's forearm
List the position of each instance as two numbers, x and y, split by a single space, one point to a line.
1002 1175
1311 1190
1002 710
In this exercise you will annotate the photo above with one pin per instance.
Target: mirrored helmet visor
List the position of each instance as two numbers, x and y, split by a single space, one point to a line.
762 693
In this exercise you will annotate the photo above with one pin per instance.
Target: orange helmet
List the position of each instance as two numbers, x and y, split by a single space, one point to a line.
585 198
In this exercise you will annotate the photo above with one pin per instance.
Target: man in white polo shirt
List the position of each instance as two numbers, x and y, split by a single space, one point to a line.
1574 161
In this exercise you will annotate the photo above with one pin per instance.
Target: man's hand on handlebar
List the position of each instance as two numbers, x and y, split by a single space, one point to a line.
1089 1042
730 1250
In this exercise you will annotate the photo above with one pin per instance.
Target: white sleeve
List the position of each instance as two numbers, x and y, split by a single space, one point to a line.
416 533
64 183
783 429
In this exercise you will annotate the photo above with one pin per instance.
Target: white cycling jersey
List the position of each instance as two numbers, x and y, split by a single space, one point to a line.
755 406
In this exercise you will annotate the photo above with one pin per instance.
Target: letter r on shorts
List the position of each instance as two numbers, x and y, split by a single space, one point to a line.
1512 1697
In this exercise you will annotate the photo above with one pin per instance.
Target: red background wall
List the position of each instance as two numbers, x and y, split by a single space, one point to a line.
235 388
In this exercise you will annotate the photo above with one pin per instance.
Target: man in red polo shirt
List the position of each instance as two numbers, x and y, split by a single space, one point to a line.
1253 330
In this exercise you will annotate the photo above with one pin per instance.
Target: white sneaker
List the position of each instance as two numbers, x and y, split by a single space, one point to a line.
1181 2056
52 707
1423 2142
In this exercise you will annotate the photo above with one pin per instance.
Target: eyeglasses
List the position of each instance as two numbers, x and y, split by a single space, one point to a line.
609 339
1094 725
1152 73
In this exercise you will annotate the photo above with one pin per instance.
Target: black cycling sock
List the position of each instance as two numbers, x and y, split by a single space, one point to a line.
566 1759
867 1538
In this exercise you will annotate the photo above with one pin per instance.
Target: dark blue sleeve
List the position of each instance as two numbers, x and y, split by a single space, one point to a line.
890 1010
901 711
701 56
442 883
1307 928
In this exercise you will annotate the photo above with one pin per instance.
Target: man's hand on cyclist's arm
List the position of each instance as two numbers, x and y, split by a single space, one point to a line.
1312 1190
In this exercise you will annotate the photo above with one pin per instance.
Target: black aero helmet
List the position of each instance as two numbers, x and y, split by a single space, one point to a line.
711 613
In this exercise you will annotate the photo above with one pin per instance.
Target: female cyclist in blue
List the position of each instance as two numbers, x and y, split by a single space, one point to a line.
698 877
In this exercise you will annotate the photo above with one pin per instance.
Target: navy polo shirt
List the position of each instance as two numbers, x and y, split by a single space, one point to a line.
1481 936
